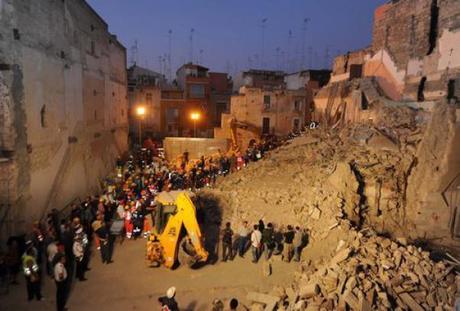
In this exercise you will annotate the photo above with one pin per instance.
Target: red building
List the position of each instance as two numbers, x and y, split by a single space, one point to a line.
195 82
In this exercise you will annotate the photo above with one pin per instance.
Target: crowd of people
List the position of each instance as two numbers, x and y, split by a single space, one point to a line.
61 246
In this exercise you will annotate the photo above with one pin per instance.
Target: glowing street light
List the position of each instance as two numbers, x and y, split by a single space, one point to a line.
195 116
140 111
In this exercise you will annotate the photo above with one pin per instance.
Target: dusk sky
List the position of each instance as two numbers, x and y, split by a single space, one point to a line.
229 33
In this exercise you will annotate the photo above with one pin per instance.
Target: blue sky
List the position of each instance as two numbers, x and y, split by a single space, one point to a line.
230 33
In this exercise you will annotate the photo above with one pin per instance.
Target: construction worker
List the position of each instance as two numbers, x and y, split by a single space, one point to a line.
31 273
227 237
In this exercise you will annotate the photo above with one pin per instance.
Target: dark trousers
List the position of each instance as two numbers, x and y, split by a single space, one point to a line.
60 295
80 270
33 289
227 251
242 245
105 250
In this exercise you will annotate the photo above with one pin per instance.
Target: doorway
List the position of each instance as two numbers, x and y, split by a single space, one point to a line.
266 126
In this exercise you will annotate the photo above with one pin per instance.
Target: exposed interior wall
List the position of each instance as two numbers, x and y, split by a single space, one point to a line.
437 166
414 42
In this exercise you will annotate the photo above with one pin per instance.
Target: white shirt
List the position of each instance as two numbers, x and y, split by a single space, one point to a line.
78 249
51 251
59 270
244 231
256 238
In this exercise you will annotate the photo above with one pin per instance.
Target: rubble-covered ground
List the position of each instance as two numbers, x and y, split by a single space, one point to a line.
342 185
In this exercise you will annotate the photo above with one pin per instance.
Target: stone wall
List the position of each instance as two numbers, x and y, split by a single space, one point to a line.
67 112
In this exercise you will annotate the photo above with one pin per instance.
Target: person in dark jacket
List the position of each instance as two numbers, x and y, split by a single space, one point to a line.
227 242
268 240
288 248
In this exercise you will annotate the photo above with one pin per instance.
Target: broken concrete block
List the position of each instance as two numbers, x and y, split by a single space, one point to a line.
292 295
402 241
262 298
309 290
316 214
341 255
300 305
351 300
410 302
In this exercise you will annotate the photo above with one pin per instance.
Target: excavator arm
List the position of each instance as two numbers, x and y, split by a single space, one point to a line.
235 124
185 215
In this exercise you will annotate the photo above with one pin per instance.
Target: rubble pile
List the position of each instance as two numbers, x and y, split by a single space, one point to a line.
375 273
357 173
334 183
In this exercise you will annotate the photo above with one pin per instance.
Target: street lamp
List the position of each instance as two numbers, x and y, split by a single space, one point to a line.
140 111
195 116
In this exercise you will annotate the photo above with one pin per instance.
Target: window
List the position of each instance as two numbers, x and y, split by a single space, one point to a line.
197 91
297 105
149 98
267 102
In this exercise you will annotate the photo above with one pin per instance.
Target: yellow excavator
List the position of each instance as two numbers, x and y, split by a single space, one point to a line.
176 234
234 125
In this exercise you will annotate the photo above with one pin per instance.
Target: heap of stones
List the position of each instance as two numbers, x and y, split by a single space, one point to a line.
370 273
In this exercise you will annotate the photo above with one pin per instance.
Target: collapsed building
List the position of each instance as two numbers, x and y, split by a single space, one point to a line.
382 170
63 107
411 72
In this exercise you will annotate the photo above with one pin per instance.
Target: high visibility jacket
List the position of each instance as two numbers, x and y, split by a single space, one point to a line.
29 268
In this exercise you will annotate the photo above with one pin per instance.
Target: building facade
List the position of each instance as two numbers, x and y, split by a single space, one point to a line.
259 79
262 112
194 81
144 90
63 106
221 91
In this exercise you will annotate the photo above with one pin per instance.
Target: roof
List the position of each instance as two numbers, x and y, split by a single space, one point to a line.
135 70
264 72
193 66
310 71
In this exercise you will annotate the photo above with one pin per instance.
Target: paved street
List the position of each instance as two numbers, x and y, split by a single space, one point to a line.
128 284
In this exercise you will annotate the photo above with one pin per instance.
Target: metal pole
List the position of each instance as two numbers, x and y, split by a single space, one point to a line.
194 128
140 132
